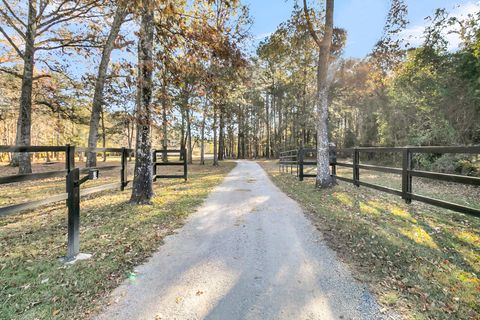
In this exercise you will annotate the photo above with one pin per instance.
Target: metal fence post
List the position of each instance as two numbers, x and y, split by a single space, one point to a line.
123 170
301 156
154 160
406 175
73 203
185 164
356 169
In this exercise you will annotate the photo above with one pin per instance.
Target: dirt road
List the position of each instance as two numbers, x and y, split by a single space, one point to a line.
248 253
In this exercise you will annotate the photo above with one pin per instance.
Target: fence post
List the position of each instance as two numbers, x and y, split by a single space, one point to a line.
123 171
69 158
301 156
356 169
185 164
73 203
406 175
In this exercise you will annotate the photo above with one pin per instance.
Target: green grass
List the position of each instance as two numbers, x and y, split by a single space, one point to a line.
35 285
419 260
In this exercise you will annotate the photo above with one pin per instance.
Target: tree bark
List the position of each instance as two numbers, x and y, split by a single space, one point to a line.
202 143
142 183
183 136
267 118
164 117
189 138
97 105
104 136
221 135
323 179
215 144
24 122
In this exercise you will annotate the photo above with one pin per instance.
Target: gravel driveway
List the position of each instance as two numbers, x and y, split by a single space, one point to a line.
248 253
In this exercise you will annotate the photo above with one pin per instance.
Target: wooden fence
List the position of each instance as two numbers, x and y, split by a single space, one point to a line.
73 182
182 155
297 159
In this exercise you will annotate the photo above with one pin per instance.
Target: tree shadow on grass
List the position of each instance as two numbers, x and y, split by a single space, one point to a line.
34 284
399 245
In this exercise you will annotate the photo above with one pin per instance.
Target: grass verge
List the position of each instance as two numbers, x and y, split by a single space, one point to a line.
419 260
35 285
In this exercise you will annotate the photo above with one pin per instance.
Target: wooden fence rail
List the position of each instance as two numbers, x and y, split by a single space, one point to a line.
182 155
407 172
69 166
73 182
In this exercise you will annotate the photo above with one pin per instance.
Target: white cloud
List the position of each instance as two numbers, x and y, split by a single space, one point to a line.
415 34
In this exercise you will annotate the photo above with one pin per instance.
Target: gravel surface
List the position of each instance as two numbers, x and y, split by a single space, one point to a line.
248 253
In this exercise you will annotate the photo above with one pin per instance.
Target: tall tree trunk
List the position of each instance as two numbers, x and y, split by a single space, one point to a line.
215 142
304 106
280 127
164 117
323 178
202 142
24 122
142 191
267 117
183 139
104 136
239 138
130 139
97 106
221 135
189 138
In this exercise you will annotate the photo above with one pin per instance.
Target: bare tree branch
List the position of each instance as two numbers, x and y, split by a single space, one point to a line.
310 25
13 13
12 24
9 71
41 76
46 27
56 17
12 43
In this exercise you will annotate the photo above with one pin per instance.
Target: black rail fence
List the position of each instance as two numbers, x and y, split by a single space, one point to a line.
73 181
183 162
289 160
301 159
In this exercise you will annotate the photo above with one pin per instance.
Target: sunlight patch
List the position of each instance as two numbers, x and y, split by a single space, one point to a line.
467 278
469 237
344 198
420 236
401 213
367 209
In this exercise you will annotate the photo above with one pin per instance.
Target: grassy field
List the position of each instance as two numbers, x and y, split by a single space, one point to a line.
420 260
35 285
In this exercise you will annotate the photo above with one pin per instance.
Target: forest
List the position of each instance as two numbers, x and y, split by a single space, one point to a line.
76 71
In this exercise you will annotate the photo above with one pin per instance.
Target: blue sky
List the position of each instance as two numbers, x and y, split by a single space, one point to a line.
363 19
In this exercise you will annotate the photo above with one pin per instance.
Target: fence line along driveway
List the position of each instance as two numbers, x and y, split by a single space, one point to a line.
247 253
304 157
